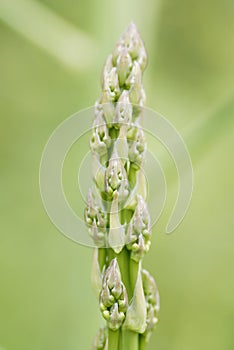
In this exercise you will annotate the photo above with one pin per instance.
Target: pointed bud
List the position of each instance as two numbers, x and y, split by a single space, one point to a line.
106 314
131 236
150 289
121 144
123 301
142 58
116 318
152 302
124 65
113 297
100 139
136 313
138 232
91 208
137 147
100 340
123 113
117 290
116 178
107 68
135 77
113 81
108 107
132 41
139 189
99 237
98 171
110 82
135 85
116 52
136 46
96 276
113 274
139 249
141 220
95 219
141 184
106 297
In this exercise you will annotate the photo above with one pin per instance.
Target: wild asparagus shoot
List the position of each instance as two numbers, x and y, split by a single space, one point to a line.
116 214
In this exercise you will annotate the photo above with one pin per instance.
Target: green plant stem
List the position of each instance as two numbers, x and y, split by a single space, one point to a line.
120 339
101 257
130 340
123 261
133 272
122 297
111 255
113 340
142 342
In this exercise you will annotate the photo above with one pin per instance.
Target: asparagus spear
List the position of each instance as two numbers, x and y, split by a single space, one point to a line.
116 214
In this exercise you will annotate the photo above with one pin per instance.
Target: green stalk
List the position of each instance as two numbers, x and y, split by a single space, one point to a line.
133 271
101 257
113 340
120 221
123 260
129 270
142 342
111 254
130 340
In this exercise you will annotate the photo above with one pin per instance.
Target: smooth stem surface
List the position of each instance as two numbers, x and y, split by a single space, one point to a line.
123 261
130 340
142 342
101 257
113 340
133 272
111 254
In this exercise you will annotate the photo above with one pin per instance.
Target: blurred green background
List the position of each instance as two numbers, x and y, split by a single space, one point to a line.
52 53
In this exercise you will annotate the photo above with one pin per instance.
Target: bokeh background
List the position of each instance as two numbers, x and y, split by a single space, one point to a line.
52 53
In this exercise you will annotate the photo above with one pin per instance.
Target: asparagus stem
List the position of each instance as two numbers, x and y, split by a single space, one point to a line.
111 254
113 340
119 219
101 257
123 260
133 271
142 342
130 340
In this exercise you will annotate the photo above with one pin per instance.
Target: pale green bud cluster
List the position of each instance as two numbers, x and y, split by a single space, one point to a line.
100 139
138 232
100 341
118 144
152 302
119 219
113 297
137 146
116 178
96 220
